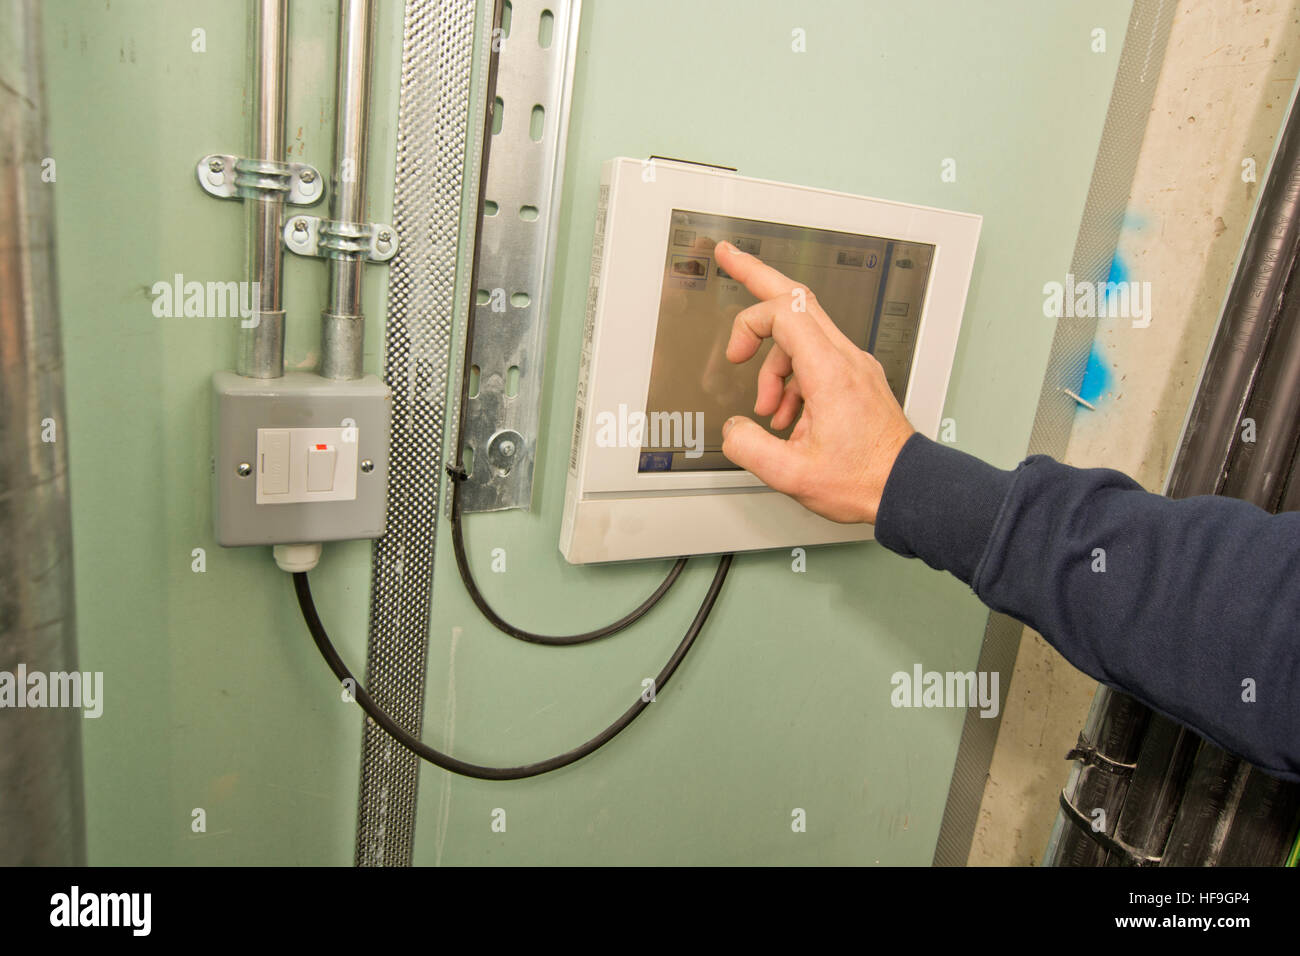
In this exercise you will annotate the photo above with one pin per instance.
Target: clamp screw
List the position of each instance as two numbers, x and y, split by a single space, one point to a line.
216 165
307 176
245 469
299 225
507 448
367 466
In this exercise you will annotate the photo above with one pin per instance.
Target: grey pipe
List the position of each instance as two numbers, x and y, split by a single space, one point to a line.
342 322
42 815
261 336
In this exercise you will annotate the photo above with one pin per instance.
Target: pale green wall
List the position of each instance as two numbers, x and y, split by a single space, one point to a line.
208 677
215 696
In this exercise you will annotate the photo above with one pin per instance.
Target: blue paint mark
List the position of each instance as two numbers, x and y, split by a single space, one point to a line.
1118 273
1134 220
1096 378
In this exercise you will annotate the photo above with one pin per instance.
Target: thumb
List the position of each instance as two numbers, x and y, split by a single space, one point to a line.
754 448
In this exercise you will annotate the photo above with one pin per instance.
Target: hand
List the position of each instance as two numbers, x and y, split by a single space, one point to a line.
840 453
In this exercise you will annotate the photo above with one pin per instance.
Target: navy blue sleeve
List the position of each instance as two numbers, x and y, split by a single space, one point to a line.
1191 605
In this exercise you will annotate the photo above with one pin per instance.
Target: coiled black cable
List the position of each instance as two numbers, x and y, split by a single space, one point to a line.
446 761
458 475
501 624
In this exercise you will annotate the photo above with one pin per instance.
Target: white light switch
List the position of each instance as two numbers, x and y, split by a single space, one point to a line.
306 464
320 467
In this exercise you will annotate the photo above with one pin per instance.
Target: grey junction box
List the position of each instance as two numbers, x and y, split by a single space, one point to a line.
299 458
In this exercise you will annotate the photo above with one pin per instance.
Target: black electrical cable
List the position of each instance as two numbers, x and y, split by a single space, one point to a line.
447 762
459 475
457 471
554 640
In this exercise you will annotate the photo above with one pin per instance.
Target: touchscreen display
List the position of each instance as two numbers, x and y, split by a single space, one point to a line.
872 287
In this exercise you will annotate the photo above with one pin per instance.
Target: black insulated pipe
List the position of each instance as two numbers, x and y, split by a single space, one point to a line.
1250 312
1187 802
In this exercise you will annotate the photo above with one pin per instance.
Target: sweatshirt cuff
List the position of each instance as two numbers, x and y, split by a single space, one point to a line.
940 505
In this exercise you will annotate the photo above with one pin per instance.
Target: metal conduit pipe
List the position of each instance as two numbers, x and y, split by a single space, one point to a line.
261 336
42 817
342 321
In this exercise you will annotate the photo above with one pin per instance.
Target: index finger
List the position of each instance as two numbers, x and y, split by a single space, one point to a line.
767 283
757 276
811 354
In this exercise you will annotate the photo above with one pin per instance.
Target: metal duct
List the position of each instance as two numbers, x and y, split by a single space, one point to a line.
342 323
261 341
42 815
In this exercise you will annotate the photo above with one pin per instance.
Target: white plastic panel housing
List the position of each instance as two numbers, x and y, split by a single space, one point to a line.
616 509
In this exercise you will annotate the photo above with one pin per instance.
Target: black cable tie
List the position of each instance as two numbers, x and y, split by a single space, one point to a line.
1093 757
457 473
1131 855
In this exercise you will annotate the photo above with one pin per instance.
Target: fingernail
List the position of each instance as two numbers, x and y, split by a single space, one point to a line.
726 426
725 246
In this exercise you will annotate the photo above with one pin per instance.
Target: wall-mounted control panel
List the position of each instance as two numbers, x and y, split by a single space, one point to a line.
647 476
299 459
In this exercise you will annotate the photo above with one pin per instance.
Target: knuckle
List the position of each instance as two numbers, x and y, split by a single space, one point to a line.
870 364
803 296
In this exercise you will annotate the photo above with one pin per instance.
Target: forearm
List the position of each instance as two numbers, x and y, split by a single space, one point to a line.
1188 605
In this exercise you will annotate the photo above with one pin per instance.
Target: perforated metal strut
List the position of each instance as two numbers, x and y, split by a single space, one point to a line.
514 266
434 134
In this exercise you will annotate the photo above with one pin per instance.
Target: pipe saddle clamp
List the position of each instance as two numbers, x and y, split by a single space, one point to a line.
233 177
312 236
